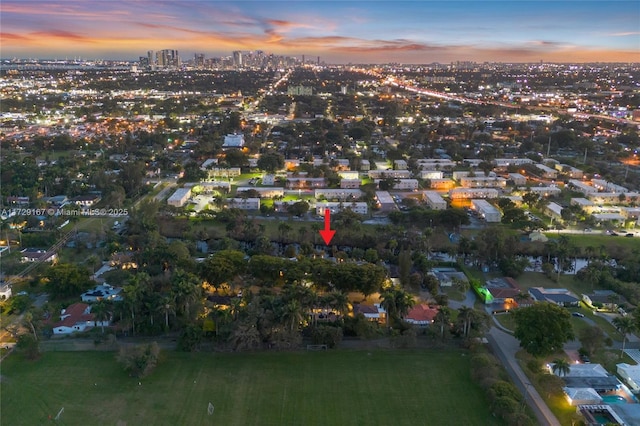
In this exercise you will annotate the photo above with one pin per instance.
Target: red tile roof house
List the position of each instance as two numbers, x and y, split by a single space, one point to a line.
421 315
76 318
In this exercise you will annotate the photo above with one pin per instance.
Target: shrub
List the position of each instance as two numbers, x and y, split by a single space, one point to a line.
502 388
139 360
28 346
326 335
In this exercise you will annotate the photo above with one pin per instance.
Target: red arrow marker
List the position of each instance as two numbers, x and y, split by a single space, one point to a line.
326 233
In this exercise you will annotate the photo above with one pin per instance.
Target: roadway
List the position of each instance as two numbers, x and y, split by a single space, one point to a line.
505 347
463 99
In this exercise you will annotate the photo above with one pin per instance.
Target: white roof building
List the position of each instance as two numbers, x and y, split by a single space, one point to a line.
483 182
264 191
544 191
582 370
335 207
435 163
582 396
518 179
244 203
466 193
233 141
504 162
606 186
339 194
554 210
435 200
630 374
488 211
547 172
208 163
383 174
582 187
180 197
431 174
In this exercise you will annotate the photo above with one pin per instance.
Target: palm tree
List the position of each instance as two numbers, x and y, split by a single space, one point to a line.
133 293
561 367
186 289
100 311
292 314
283 229
302 232
339 302
28 318
625 325
523 297
388 302
167 307
443 317
465 315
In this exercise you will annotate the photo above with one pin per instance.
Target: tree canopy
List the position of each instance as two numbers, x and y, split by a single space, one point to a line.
543 328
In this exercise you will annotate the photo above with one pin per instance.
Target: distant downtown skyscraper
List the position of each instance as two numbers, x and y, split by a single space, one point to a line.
237 58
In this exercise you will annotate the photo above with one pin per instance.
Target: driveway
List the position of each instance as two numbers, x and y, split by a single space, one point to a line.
469 300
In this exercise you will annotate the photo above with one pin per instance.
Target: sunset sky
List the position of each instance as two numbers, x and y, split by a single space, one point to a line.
338 31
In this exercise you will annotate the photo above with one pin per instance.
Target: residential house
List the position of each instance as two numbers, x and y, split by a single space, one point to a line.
559 296
504 292
421 315
102 292
607 299
77 318
373 312
5 290
630 374
58 200
447 276
37 255
87 200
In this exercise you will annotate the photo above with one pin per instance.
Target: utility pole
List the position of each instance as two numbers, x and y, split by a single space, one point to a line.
548 146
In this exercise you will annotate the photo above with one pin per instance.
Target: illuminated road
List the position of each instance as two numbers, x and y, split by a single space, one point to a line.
394 81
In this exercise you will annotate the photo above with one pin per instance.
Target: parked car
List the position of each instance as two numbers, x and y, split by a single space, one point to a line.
577 314
629 235
585 359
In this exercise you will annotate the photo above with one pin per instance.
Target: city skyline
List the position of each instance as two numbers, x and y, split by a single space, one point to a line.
338 32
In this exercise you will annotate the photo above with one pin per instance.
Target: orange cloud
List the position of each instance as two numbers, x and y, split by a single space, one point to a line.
63 35
13 37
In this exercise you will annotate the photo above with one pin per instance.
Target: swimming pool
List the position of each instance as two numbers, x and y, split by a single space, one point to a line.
614 399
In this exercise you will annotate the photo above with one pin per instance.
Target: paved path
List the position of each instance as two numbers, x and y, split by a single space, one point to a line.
505 347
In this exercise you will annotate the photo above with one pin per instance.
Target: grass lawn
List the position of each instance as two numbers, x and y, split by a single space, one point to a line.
312 388
507 320
454 294
538 279
614 245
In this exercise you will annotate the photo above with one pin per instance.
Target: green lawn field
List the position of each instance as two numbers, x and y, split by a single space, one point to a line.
308 388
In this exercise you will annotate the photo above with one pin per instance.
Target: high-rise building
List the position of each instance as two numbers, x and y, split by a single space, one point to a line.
167 58
237 58
151 62
198 60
